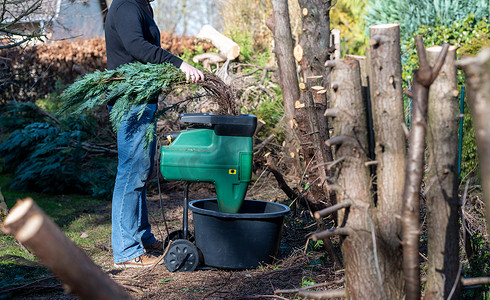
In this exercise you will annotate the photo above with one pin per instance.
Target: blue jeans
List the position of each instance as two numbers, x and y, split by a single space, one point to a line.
131 231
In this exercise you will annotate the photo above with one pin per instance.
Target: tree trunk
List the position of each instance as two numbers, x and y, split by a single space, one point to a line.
364 66
423 78
385 83
387 108
477 72
279 24
312 124
362 267
442 181
30 225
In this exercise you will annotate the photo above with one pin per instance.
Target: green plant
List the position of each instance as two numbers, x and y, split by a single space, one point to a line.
469 35
412 14
347 16
52 102
307 281
244 22
271 111
478 266
54 156
134 85
131 84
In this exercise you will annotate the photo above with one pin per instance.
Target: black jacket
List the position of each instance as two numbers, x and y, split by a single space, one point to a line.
132 35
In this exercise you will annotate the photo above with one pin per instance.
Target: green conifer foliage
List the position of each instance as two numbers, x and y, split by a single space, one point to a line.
412 14
54 155
136 84
132 84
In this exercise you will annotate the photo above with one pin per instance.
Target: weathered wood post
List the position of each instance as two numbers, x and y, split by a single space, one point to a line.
368 260
442 180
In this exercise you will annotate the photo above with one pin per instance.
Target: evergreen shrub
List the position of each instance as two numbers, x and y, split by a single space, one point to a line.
54 155
469 35
413 14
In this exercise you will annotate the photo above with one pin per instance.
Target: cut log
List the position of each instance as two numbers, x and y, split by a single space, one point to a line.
225 45
442 179
209 58
32 227
362 270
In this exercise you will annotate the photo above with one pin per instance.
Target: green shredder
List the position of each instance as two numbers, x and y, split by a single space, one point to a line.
217 149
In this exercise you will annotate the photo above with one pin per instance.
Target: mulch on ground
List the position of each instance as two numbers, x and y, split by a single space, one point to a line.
295 264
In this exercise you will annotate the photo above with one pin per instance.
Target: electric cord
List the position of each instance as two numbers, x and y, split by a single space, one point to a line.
159 188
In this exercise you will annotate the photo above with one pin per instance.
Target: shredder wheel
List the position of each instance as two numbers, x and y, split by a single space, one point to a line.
182 256
177 235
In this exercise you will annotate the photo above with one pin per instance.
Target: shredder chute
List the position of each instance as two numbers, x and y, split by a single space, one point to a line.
216 149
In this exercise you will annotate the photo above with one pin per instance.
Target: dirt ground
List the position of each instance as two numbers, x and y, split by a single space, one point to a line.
293 267
297 264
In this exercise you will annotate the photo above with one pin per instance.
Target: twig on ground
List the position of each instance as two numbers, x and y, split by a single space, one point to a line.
322 284
33 285
266 296
475 281
132 288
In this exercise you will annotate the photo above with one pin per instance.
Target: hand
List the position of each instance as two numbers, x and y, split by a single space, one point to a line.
191 73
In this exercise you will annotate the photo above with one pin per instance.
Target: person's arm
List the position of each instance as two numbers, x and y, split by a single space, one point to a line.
129 25
130 29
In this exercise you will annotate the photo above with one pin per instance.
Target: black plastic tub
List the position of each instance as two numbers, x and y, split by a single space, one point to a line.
238 241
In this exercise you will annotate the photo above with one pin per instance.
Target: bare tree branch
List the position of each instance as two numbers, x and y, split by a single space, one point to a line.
414 171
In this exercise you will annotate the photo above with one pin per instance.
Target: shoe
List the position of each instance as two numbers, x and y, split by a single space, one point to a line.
156 247
142 261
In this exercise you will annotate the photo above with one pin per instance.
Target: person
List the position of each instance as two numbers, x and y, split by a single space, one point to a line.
131 35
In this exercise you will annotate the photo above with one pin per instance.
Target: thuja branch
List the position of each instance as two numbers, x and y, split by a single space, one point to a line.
136 84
